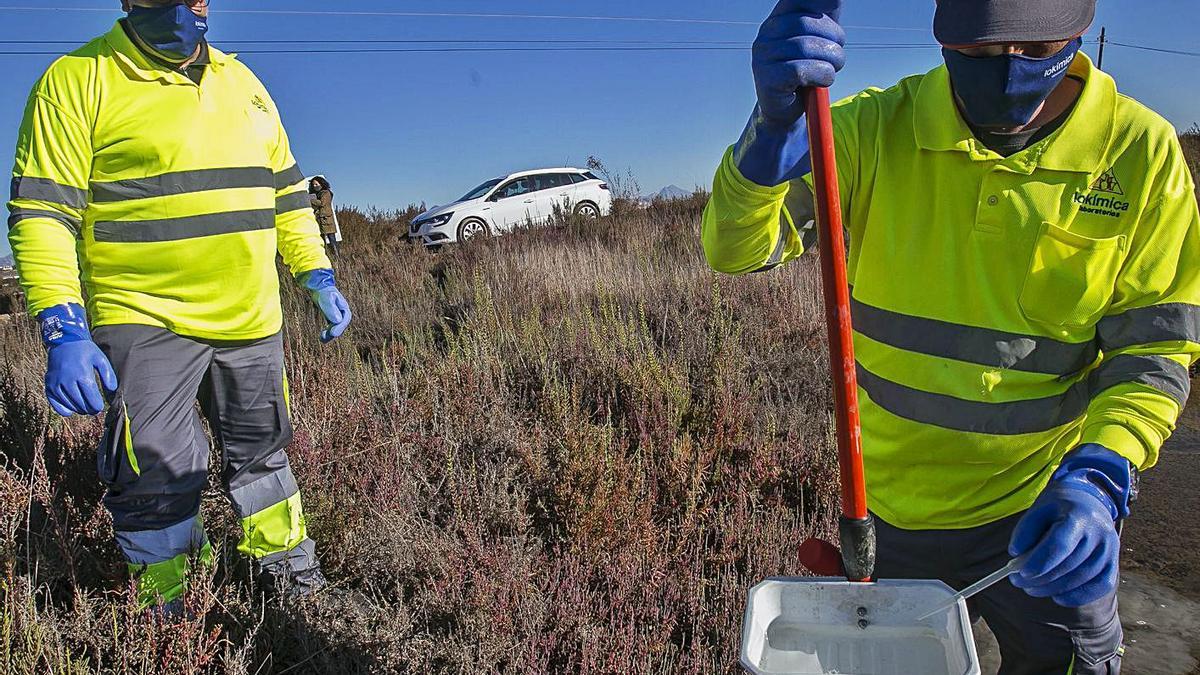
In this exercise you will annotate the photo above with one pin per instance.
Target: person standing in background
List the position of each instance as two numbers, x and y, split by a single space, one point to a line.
322 202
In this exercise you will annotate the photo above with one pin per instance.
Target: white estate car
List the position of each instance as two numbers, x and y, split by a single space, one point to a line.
499 205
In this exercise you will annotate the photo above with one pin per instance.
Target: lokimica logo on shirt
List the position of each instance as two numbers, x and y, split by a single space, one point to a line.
1104 197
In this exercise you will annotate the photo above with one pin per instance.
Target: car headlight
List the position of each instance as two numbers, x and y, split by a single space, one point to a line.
438 221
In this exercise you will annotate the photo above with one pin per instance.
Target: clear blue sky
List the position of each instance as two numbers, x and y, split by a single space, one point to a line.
390 129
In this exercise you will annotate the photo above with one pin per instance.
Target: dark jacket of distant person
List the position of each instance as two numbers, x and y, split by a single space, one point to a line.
322 203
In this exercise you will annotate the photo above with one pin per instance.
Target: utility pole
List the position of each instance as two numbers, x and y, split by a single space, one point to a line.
1103 39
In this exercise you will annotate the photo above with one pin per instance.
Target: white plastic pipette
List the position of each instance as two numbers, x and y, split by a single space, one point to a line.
983 584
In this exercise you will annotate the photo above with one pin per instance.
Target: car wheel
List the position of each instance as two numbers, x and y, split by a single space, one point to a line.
587 210
472 228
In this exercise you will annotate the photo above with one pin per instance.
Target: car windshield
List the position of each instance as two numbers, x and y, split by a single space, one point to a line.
481 190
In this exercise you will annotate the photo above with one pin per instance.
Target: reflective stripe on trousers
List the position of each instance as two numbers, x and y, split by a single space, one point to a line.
161 560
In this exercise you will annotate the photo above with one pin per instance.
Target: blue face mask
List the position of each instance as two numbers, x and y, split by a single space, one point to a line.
1006 91
174 30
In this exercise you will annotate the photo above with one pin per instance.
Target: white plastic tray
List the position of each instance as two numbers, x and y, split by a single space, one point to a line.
811 626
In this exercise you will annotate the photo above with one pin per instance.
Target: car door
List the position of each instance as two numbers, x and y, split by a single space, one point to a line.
515 204
556 195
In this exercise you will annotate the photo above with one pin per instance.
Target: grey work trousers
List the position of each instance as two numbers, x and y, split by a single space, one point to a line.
1036 636
154 456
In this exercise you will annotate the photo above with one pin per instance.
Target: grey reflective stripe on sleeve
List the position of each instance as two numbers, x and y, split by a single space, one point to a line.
1158 372
147 547
801 208
288 177
264 492
1170 322
292 202
781 245
983 346
19 214
998 419
182 182
46 190
191 227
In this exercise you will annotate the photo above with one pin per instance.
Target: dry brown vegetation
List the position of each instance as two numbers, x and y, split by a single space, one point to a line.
571 449
1190 140
567 450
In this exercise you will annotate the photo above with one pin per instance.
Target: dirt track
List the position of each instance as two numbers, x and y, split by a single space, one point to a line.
1162 541
1162 537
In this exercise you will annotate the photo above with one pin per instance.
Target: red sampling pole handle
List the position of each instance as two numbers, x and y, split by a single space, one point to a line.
857 527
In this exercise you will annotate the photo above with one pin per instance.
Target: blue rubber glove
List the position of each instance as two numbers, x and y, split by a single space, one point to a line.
73 363
798 46
332 303
1070 531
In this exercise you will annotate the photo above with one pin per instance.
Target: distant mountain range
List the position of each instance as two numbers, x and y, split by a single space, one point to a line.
6 261
668 193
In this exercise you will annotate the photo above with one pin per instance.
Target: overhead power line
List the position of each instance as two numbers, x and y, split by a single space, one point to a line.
547 46
485 46
449 50
458 45
421 42
741 44
403 14
468 46
1160 50
465 15
443 50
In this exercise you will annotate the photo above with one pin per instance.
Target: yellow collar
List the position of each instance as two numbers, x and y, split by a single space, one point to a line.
1079 145
139 66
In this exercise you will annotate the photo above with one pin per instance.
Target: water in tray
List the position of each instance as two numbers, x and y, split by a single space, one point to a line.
811 649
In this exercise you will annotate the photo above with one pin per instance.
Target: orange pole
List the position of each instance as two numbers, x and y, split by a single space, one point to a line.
857 528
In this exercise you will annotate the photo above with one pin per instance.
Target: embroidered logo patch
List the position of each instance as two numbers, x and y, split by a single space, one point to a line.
1107 182
1103 198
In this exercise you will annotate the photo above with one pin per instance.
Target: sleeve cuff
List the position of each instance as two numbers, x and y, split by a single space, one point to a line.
35 308
316 260
1118 439
743 186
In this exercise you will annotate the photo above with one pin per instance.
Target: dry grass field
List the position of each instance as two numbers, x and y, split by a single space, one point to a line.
569 450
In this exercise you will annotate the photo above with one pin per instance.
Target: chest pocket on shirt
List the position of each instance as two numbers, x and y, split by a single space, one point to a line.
1070 278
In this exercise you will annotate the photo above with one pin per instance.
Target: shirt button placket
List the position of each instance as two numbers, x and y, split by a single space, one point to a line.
987 218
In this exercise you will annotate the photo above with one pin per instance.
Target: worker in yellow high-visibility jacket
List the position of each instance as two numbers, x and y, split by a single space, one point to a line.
156 168
1024 254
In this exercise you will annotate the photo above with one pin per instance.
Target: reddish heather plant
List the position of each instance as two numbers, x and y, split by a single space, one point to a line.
571 449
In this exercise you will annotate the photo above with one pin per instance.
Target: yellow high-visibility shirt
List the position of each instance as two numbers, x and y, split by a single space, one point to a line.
171 198
1006 310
